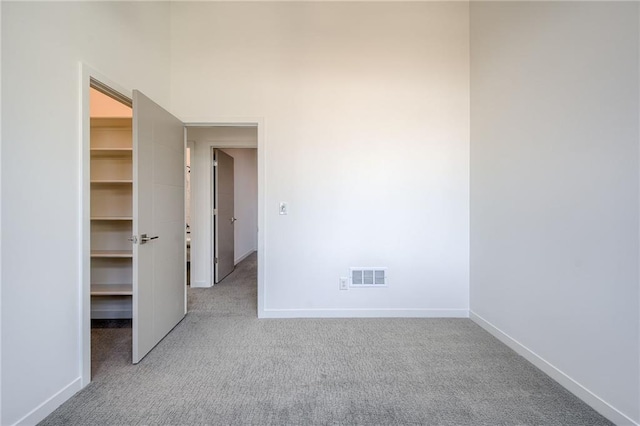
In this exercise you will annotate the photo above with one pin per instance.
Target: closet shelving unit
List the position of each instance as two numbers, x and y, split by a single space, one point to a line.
111 217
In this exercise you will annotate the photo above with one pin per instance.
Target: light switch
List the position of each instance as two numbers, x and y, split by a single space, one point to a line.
284 208
344 283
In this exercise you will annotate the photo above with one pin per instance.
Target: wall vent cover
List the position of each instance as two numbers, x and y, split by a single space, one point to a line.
368 276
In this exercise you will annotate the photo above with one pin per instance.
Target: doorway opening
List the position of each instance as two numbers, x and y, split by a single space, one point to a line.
110 224
224 199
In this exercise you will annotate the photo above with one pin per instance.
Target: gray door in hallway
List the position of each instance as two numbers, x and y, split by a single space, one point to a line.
224 219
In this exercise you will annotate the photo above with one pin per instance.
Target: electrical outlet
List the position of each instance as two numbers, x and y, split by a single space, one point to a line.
344 283
284 208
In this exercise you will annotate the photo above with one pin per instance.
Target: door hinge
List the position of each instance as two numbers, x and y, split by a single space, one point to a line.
215 212
216 260
215 164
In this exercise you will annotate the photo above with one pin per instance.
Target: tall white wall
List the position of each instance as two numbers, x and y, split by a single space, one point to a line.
554 191
42 47
366 136
204 139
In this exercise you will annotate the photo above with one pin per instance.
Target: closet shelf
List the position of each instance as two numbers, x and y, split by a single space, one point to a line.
112 181
111 290
112 253
111 213
111 152
111 218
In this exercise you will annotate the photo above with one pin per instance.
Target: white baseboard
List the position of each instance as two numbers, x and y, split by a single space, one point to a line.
244 256
364 313
593 400
47 407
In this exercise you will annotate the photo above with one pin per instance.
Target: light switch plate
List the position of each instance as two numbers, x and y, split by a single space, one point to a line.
344 283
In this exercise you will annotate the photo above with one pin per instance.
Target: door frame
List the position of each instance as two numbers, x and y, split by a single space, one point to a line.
87 74
261 153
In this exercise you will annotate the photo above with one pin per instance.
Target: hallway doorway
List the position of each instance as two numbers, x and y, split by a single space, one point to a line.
220 224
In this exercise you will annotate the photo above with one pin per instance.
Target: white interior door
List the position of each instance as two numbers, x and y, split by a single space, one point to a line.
159 273
224 219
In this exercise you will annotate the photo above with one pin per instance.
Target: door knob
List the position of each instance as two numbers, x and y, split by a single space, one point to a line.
144 239
233 219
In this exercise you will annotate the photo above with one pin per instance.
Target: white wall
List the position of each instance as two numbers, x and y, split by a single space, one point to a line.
366 115
204 139
43 44
245 193
554 191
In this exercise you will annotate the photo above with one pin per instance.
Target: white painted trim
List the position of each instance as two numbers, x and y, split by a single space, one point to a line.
262 219
229 145
223 121
591 399
638 260
86 73
243 257
365 313
47 407
0 217
226 145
